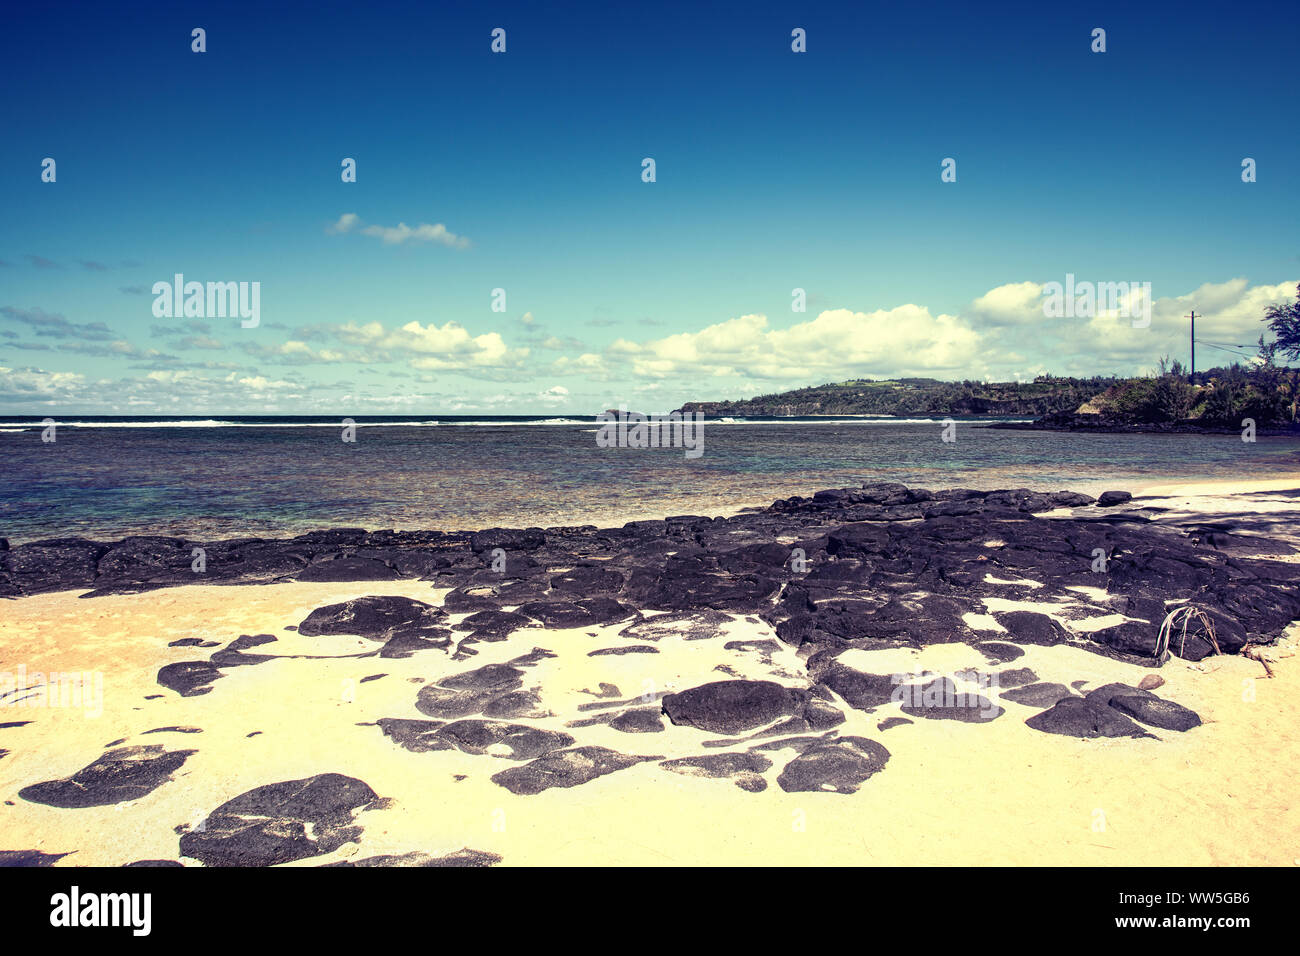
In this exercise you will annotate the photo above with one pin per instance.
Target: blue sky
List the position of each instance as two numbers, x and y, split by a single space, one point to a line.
775 170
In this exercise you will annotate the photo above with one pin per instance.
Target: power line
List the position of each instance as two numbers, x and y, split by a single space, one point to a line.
1228 345
1224 348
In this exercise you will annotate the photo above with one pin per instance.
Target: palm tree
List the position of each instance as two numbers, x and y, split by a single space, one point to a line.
1284 322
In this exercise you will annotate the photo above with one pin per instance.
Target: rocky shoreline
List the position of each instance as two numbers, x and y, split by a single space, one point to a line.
872 567
1083 422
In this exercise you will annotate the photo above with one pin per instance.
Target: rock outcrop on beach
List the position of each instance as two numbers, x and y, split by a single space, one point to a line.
127 773
1111 424
882 565
280 822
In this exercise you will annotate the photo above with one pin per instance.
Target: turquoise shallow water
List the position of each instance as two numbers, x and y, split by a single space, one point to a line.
230 477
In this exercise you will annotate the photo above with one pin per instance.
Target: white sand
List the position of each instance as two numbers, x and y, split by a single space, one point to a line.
951 793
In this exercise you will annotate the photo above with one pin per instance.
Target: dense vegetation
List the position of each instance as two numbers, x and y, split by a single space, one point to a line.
1220 397
918 396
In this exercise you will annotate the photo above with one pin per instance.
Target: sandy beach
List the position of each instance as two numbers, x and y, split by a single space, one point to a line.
947 791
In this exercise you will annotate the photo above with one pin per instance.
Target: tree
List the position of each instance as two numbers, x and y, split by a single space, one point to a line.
1166 367
1284 322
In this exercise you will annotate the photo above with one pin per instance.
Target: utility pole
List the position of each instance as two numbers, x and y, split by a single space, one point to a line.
1192 374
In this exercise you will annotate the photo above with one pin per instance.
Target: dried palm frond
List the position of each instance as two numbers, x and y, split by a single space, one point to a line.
1187 613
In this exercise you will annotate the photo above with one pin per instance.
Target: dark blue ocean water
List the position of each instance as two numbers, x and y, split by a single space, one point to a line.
201 477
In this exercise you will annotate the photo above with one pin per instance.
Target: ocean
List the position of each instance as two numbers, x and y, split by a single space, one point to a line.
206 477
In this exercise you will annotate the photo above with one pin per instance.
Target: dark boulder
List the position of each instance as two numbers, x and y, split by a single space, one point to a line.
494 623
860 691
744 769
941 699
1108 499
565 768
520 741
417 736
1145 706
838 766
280 822
1156 712
119 776
350 567
55 564
189 678
1086 718
585 613
586 580
734 706
641 721
376 617
1029 627
508 539
1037 695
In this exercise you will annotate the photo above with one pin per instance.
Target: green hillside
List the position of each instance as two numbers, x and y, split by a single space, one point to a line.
918 397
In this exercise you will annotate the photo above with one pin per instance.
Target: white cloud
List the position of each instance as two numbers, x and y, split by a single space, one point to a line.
448 347
1016 303
396 235
260 383
297 352
345 223
1227 313
838 343
1001 335
589 365
401 233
